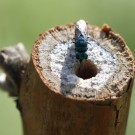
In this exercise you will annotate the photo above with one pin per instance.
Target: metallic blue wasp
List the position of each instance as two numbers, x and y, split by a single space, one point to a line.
81 40
87 68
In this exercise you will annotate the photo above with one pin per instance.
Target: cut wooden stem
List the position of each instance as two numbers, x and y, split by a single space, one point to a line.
57 99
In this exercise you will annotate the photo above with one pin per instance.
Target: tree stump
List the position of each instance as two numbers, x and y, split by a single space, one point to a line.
56 99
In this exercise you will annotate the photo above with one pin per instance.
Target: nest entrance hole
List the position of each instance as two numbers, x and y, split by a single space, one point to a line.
86 70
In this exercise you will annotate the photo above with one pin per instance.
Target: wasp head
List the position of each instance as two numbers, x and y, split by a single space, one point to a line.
81 30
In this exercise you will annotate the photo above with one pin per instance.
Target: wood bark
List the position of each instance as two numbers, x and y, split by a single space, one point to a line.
47 111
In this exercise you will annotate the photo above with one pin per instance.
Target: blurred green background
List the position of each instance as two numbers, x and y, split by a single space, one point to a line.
23 20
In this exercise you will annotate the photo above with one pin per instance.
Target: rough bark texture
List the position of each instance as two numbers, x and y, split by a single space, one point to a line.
13 62
46 111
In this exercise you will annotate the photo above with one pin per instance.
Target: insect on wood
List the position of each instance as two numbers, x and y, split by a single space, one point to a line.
81 40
